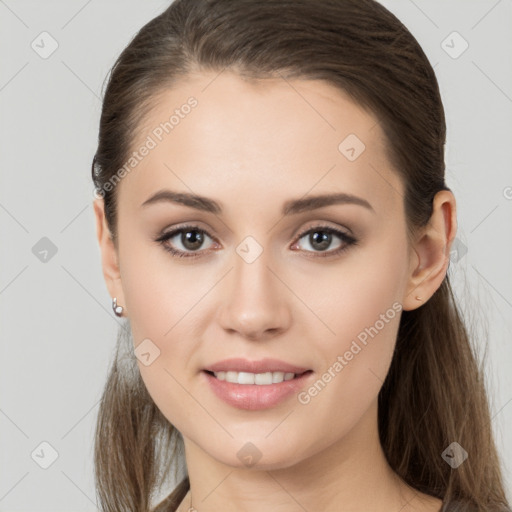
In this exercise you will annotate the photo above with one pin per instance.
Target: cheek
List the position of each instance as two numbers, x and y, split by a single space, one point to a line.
159 295
359 304
165 314
353 294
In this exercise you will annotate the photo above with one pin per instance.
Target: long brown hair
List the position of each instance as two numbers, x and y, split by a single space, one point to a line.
434 393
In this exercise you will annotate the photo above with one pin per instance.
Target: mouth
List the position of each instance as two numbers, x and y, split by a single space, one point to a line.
256 391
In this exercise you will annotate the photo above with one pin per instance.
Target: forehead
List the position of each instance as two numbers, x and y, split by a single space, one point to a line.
221 136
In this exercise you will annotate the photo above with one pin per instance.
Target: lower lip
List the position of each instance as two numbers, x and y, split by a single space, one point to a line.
254 397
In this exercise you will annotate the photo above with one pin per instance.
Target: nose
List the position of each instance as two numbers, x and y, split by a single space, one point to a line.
255 303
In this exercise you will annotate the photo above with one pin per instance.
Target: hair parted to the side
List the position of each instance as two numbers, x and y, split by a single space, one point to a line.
434 393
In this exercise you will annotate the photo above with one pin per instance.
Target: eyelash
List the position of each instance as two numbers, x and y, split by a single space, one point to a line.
346 239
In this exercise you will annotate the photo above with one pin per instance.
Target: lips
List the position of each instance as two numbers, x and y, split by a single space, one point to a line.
262 366
255 385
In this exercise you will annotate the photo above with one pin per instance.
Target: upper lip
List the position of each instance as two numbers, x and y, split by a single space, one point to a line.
261 366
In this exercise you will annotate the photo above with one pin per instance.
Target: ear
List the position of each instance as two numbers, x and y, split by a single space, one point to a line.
431 252
109 255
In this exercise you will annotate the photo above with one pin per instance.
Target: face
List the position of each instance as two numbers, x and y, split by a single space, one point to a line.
260 273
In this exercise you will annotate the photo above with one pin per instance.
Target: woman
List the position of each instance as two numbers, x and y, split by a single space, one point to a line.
275 226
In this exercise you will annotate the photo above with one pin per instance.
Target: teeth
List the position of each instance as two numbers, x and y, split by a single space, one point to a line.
261 379
277 377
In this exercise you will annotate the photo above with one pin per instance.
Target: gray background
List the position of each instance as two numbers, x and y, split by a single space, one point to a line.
57 326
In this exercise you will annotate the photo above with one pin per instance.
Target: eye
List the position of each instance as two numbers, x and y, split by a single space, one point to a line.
191 239
320 238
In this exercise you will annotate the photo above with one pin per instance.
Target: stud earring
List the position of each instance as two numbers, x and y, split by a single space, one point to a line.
118 310
418 298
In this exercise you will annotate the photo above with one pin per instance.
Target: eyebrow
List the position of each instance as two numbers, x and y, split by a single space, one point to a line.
290 207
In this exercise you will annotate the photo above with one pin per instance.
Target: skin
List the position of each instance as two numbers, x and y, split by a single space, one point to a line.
251 147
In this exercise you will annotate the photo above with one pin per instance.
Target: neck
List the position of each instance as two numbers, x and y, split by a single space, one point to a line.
351 475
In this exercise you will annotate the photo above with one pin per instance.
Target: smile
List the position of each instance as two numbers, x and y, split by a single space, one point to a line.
256 391
260 379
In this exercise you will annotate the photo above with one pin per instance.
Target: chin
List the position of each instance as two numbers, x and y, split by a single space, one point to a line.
256 453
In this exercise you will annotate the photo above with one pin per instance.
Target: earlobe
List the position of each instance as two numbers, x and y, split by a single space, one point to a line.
109 254
432 251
